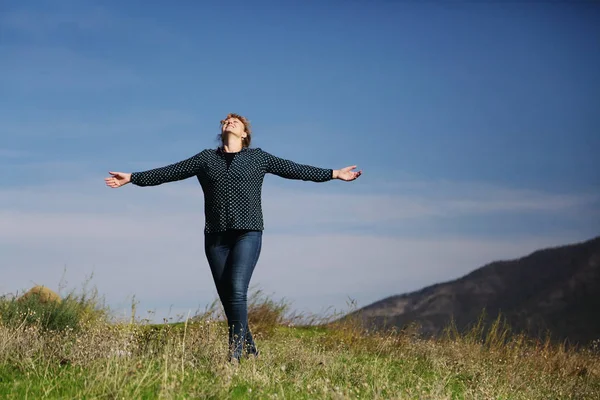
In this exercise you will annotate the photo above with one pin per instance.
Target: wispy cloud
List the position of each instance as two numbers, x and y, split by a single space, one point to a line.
284 206
162 262
149 241
378 208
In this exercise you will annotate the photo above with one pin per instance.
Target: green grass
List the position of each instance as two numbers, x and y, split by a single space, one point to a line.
111 360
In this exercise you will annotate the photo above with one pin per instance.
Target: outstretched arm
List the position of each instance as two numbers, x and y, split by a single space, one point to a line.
291 170
174 172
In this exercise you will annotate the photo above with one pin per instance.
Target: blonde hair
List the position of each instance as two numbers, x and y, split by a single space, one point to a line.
247 128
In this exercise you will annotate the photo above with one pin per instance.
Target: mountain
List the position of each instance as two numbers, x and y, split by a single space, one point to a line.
554 289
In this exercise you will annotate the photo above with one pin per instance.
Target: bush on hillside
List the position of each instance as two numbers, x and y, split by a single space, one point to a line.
43 294
47 311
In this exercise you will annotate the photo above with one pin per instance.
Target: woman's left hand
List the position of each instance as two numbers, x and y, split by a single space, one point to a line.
346 174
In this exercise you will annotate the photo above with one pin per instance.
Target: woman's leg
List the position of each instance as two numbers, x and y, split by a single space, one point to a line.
232 256
217 247
242 259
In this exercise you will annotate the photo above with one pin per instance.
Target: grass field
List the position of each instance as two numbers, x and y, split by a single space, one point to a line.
90 356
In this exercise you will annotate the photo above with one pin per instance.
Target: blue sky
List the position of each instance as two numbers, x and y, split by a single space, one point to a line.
476 126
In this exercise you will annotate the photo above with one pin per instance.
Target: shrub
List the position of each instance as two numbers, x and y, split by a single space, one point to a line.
44 309
43 294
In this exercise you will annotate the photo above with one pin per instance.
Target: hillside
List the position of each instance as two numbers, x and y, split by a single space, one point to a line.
102 359
555 289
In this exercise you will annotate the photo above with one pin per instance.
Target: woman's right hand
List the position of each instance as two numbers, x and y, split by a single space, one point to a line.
117 179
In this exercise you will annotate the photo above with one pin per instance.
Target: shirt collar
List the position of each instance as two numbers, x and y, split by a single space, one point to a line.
220 150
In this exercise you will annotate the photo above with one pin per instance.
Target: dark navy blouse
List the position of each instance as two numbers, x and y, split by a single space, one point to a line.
232 194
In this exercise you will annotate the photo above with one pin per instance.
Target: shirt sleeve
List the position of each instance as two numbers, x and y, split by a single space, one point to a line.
291 170
174 172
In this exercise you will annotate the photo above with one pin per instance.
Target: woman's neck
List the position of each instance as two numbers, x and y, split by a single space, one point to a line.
232 144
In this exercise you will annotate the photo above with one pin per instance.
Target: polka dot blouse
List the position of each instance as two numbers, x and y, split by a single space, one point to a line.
232 195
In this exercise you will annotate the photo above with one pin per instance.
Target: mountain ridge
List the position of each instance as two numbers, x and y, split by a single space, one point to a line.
552 290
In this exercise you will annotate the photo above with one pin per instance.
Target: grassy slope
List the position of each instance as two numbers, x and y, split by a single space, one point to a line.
72 350
189 361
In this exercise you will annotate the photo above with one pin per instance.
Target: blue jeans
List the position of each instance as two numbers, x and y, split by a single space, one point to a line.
232 256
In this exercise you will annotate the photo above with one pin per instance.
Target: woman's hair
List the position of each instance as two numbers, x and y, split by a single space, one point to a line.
247 128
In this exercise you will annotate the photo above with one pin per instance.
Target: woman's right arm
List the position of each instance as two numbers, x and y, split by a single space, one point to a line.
174 172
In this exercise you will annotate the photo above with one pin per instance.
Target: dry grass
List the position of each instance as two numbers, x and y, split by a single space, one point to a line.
105 359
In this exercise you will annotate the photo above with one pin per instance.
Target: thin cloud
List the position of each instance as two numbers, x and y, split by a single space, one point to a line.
148 242
164 265
289 207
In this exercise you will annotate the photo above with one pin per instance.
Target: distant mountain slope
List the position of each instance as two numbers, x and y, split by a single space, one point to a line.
556 289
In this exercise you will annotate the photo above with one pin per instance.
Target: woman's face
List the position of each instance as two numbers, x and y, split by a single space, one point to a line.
234 126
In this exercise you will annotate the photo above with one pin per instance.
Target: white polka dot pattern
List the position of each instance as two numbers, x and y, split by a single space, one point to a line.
232 196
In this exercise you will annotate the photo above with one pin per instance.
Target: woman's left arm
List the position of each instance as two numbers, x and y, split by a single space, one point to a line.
291 170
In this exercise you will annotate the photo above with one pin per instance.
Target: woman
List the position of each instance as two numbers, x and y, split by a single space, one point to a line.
231 177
